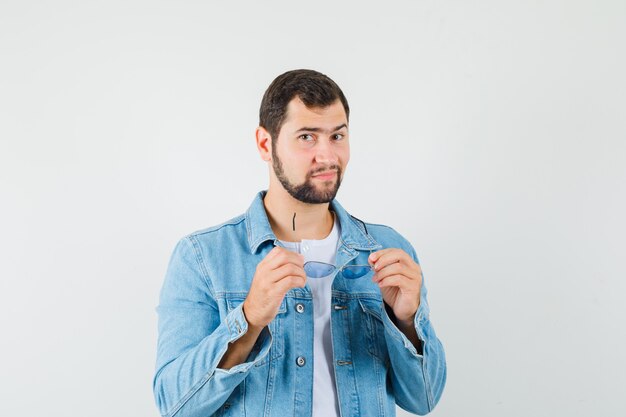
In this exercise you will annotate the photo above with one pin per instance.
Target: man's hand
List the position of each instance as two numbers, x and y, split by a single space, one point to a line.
400 280
280 271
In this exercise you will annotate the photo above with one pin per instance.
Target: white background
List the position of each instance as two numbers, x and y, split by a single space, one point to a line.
492 134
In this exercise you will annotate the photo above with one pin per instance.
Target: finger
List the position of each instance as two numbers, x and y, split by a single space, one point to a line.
412 272
270 255
374 256
287 270
393 269
284 256
289 282
391 256
399 281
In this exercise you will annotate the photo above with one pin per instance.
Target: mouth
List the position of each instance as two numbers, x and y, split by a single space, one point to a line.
328 175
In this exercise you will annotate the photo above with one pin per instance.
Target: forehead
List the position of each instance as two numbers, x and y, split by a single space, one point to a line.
299 115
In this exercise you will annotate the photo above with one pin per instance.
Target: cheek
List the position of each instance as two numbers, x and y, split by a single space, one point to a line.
344 156
298 167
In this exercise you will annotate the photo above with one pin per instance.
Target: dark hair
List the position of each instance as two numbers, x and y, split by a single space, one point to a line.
313 88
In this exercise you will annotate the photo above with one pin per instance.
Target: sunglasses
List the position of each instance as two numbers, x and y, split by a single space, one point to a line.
316 269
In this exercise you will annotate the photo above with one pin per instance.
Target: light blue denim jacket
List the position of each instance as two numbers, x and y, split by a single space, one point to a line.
200 312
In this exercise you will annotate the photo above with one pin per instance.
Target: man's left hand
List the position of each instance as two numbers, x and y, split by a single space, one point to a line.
400 280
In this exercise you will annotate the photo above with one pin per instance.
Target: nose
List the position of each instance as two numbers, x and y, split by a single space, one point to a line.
325 154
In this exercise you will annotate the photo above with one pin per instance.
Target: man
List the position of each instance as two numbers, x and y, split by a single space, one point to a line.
297 308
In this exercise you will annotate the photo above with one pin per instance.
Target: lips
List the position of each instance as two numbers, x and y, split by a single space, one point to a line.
325 175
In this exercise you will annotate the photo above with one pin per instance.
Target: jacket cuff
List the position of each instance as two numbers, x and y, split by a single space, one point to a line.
420 322
238 326
236 323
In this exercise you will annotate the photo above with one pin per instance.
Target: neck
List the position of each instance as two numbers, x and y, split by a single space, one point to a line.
313 221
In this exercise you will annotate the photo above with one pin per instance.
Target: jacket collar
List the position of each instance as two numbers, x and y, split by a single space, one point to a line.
353 231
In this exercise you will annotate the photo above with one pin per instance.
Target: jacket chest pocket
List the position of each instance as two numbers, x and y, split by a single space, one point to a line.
375 329
275 331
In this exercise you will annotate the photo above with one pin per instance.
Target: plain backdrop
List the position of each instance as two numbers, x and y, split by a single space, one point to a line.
491 134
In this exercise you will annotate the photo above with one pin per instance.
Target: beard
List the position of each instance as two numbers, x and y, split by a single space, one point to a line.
307 192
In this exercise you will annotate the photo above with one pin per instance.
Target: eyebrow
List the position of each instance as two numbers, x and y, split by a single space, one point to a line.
317 129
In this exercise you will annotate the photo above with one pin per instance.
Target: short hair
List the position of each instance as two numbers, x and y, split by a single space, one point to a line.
313 88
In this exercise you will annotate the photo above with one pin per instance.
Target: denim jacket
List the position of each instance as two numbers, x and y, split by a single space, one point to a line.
200 313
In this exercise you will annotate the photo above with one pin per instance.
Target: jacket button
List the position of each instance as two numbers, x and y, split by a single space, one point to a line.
300 361
300 308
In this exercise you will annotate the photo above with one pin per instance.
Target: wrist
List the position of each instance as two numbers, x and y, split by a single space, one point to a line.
253 327
406 323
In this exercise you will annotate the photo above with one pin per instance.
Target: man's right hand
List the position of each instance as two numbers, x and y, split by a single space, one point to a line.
280 271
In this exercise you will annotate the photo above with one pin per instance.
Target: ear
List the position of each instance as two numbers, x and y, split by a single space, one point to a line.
264 143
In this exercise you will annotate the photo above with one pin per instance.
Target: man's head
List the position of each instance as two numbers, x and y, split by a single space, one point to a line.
303 130
314 89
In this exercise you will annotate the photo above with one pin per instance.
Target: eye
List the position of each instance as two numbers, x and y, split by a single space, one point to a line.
306 137
338 136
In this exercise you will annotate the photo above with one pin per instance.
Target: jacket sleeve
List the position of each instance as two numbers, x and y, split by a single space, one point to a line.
417 378
192 340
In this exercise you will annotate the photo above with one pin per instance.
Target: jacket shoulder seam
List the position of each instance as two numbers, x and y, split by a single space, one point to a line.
205 275
232 222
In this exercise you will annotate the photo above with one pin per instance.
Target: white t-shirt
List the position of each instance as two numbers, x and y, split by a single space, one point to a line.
325 402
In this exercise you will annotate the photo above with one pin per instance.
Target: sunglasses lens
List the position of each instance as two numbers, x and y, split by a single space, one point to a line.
353 272
318 269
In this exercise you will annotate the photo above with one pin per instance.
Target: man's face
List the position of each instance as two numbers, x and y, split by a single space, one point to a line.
312 151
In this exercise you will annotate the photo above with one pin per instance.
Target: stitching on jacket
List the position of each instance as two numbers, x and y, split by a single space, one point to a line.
232 222
199 260
176 408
